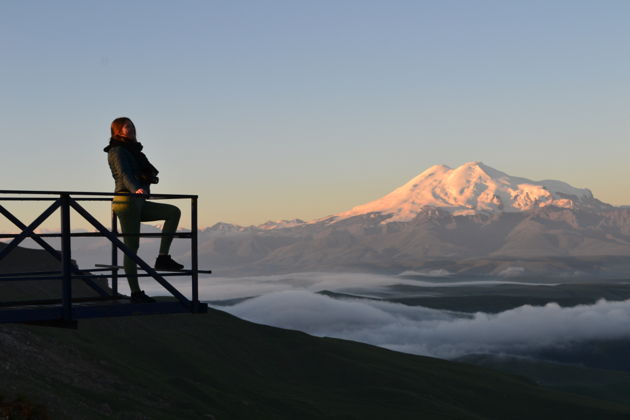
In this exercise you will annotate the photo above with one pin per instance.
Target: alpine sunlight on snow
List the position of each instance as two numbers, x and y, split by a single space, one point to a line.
471 220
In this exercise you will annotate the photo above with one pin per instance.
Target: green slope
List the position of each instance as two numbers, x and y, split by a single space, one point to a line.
605 384
218 366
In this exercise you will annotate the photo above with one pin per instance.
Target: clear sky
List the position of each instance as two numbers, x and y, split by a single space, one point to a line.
273 109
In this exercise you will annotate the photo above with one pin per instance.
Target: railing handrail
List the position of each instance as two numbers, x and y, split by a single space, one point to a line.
67 200
93 193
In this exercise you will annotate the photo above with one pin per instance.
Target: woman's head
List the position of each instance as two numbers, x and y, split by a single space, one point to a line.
123 127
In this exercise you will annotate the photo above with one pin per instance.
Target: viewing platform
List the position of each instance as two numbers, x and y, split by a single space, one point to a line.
80 293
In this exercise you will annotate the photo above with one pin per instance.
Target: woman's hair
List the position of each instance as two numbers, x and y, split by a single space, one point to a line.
118 124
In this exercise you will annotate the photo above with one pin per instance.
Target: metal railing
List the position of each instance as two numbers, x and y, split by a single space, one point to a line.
64 201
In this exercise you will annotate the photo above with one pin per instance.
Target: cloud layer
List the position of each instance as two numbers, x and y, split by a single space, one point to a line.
291 301
437 333
370 285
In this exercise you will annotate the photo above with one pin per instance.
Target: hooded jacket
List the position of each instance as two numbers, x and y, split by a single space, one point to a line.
130 167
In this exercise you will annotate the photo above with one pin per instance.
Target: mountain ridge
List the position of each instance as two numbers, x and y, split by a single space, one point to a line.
470 189
470 213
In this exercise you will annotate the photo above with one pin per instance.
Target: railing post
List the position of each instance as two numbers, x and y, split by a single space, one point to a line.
114 256
66 260
194 254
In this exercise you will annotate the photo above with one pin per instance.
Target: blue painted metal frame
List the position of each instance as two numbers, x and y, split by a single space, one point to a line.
67 310
37 238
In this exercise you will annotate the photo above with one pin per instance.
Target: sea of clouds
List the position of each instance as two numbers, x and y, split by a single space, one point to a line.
291 301
418 330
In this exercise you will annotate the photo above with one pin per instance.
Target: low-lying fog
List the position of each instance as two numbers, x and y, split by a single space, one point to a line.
358 309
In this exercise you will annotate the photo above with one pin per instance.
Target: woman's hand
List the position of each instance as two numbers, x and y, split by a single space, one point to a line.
142 191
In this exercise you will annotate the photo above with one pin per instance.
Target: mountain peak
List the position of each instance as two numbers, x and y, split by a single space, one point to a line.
470 189
280 224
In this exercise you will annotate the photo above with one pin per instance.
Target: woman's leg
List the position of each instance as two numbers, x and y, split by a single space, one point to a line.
170 214
128 210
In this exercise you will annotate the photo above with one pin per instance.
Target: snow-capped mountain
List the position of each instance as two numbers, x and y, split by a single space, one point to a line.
469 220
473 188
470 189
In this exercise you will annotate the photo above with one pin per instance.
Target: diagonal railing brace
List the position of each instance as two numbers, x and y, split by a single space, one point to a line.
28 230
52 251
131 254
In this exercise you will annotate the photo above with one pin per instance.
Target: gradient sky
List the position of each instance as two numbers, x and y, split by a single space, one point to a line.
282 109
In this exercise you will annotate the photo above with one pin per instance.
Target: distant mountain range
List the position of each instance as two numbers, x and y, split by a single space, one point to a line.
472 219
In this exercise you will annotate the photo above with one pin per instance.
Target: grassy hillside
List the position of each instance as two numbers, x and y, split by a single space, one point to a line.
218 366
612 385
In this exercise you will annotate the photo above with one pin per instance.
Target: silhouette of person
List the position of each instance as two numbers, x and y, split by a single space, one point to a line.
133 173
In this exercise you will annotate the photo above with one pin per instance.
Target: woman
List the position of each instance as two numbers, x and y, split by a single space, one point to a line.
133 173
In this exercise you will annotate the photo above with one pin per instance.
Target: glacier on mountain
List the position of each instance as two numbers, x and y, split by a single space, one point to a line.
473 188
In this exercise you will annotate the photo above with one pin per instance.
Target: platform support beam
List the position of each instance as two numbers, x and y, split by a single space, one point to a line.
66 258
194 255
